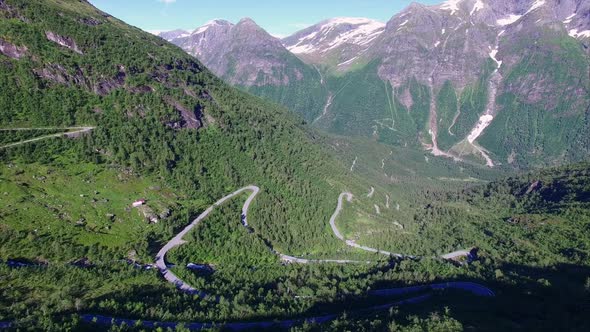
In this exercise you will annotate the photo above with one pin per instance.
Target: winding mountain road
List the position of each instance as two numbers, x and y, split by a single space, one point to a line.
73 133
178 240
351 243
474 288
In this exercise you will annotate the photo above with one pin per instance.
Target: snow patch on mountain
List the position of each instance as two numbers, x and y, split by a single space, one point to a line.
508 19
579 34
536 4
477 7
484 121
451 5
365 33
512 18
493 56
362 31
568 19
302 49
210 24
347 61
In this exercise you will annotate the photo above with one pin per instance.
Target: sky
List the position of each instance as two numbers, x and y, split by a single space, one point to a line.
279 17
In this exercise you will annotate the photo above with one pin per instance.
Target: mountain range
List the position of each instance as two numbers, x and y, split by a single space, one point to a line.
500 82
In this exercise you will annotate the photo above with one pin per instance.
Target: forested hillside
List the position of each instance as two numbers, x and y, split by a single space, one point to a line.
157 111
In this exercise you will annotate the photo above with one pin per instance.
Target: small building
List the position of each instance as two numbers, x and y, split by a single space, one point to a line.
138 203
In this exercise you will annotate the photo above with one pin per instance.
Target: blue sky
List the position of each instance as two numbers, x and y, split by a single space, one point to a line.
277 17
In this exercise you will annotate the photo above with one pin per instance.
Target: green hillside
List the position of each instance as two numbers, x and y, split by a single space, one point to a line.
164 130
304 95
543 124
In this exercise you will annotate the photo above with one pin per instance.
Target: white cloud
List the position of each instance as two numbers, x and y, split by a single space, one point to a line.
167 1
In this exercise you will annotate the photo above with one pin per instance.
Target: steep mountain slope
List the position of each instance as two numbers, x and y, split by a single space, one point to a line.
158 113
335 43
468 54
498 82
247 56
505 82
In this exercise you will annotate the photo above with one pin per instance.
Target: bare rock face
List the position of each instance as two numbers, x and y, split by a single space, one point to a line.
90 21
12 51
191 119
105 85
63 41
141 89
433 46
56 73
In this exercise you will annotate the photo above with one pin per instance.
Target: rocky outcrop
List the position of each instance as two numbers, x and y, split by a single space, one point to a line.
12 51
63 41
56 73
90 21
188 118
141 89
432 46
104 86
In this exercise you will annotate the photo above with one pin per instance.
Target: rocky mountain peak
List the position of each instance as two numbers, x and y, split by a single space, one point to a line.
247 28
247 21
242 53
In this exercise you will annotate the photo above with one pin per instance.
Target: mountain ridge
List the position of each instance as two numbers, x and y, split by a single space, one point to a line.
334 42
467 59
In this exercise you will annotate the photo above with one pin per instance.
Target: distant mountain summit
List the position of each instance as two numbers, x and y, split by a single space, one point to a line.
242 53
336 42
179 33
247 56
